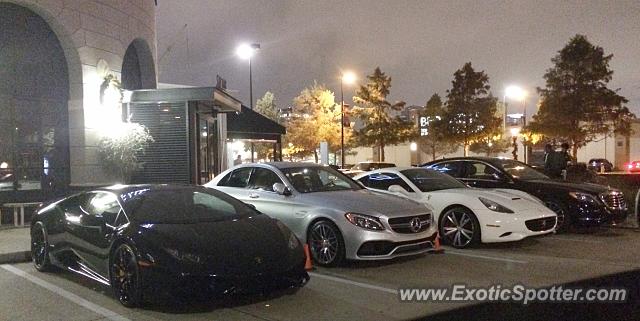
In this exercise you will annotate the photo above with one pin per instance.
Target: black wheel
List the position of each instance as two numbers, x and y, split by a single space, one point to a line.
40 248
125 276
326 244
459 228
563 219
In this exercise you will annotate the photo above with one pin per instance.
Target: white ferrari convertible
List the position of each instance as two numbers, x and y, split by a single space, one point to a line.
465 215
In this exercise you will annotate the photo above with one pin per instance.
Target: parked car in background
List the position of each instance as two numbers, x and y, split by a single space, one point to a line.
337 217
600 164
144 238
466 216
365 167
582 204
633 166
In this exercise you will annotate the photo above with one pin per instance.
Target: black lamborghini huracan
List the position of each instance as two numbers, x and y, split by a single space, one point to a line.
142 238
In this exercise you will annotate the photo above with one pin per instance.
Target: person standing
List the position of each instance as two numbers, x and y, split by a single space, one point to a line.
237 161
565 159
551 166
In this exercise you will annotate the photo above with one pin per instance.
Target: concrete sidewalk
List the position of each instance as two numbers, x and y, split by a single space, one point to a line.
14 245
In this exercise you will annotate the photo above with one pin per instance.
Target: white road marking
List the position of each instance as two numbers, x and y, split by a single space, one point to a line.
478 256
356 283
66 294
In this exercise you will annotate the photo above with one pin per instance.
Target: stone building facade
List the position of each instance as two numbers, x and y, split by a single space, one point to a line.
57 55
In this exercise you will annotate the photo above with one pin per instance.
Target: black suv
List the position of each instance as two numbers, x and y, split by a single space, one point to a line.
575 203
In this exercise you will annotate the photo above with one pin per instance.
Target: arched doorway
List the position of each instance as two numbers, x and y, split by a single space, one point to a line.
138 69
34 95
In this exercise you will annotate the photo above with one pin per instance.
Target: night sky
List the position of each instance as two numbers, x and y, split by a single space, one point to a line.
419 44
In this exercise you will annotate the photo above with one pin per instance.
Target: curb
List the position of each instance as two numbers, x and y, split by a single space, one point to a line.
15 257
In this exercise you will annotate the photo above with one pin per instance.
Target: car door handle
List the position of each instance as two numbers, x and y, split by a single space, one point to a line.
254 196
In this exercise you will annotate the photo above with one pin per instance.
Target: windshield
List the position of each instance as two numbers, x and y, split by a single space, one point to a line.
318 179
520 170
188 206
429 180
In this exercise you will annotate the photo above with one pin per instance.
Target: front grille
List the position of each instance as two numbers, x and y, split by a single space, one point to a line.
614 200
541 224
377 248
403 224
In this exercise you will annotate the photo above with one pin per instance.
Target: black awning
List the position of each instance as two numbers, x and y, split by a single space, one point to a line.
249 124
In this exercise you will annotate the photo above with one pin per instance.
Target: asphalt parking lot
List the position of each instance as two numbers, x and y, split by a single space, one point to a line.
363 291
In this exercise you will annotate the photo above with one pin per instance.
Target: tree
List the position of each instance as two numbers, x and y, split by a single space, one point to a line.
576 104
434 141
379 128
316 118
120 153
490 146
470 109
268 108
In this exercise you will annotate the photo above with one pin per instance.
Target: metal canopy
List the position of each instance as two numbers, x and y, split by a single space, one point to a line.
251 125
218 97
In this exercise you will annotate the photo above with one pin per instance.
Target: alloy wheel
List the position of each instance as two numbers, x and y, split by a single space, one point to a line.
458 228
124 275
324 243
39 247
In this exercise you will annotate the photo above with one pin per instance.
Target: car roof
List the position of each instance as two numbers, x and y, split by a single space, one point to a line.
282 165
392 169
370 162
122 189
479 158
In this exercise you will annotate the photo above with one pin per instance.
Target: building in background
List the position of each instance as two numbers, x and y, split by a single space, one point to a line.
62 63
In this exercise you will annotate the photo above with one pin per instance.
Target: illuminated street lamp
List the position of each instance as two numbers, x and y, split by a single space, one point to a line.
516 93
245 52
347 78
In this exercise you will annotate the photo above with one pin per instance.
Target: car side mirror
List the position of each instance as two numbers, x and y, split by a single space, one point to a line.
398 190
281 189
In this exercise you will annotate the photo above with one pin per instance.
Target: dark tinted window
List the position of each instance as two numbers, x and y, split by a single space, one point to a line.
430 180
237 178
74 205
455 169
382 181
104 205
263 179
318 179
483 171
519 170
189 205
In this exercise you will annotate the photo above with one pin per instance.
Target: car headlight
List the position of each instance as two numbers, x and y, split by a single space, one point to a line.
584 197
183 256
496 207
364 221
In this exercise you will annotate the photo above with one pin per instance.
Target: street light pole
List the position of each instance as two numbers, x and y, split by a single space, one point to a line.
524 124
246 51
341 123
348 78
250 86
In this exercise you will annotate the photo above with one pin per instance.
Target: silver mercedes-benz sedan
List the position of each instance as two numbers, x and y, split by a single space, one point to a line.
336 216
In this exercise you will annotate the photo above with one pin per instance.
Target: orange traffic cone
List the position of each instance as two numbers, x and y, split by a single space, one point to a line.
436 246
307 264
